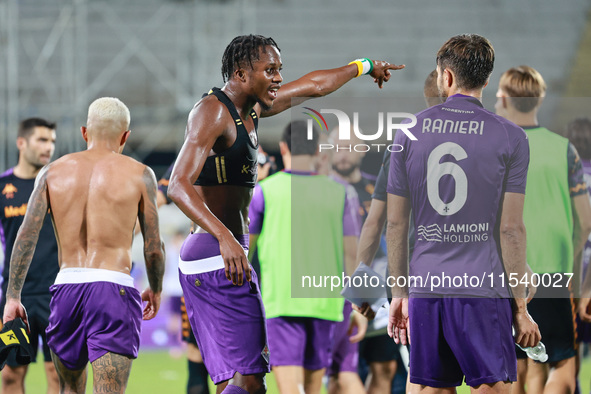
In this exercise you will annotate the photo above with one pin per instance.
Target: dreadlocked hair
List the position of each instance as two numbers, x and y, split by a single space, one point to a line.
243 49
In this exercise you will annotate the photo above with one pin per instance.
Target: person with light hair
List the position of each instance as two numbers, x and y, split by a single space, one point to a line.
94 197
109 110
557 218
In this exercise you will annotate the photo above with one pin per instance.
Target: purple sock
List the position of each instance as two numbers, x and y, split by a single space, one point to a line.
231 389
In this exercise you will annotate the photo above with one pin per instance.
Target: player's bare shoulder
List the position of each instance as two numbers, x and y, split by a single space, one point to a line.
135 169
208 114
61 167
209 105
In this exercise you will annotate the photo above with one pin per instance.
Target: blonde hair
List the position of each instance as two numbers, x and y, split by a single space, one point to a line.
109 109
526 84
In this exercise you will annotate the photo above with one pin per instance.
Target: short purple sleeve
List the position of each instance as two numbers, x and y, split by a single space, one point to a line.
351 218
518 163
397 178
256 212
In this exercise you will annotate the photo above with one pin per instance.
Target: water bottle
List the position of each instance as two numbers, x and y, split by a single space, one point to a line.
536 353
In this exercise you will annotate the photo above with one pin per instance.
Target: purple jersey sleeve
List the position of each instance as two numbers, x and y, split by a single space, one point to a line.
256 212
517 165
398 178
351 218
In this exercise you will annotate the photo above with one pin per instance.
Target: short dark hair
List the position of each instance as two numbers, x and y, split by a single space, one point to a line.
471 57
243 50
295 135
579 134
26 127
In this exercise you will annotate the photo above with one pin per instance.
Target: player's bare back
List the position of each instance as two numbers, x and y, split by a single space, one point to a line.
94 199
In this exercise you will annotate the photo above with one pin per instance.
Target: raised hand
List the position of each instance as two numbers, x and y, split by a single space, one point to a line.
381 71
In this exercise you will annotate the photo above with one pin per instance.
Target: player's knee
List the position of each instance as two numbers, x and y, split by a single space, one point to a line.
521 369
13 377
193 354
197 382
260 386
256 384
383 370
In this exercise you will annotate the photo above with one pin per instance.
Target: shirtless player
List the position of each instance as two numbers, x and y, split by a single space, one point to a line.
94 197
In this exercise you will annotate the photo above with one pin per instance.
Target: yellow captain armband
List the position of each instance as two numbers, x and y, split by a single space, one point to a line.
364 66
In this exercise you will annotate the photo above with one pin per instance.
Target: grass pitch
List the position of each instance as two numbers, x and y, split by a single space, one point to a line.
159 372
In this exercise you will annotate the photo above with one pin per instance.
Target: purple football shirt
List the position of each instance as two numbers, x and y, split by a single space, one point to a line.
455 175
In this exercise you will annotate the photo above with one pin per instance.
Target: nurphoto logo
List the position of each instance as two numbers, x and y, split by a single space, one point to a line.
393 121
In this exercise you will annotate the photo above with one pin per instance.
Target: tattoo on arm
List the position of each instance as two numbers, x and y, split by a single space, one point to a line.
28 234
153 245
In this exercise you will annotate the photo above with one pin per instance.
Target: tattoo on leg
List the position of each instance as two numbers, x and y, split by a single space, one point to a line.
111 373
71 381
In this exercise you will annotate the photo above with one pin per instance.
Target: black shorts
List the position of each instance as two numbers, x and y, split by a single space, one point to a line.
187 332
38 314
556 320
380 348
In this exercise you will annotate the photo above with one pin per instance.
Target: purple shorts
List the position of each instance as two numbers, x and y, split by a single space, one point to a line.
457 337
345 355
300 341
93 312
228 321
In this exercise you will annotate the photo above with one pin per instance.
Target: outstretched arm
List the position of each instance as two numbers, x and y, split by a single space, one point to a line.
204 127
153 245
24 247
323 82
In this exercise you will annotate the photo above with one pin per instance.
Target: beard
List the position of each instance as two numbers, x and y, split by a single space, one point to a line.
264 106
442 93
346 171
35 161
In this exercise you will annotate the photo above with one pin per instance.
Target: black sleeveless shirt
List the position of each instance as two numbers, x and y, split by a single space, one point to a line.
237 165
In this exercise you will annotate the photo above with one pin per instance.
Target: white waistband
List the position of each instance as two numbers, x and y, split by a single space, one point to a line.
203 265
90 275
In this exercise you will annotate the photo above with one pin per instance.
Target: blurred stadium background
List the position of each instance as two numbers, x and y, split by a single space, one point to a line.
160 56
